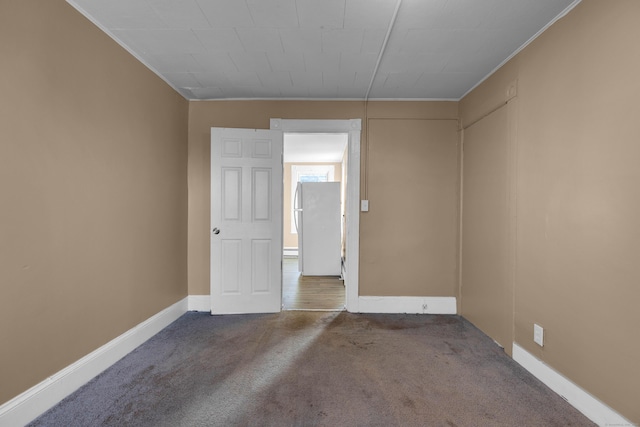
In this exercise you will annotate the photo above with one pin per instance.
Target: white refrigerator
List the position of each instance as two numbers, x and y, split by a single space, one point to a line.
317 218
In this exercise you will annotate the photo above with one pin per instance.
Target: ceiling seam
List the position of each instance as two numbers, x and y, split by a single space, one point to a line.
383 48
204 14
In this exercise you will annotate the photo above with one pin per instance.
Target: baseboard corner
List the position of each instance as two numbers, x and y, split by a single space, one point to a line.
30 404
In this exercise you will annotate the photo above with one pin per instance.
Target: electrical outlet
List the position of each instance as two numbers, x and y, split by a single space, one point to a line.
538 335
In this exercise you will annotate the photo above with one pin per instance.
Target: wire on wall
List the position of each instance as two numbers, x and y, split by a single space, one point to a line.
365 165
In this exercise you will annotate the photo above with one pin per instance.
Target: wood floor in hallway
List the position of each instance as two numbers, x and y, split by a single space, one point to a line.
310 292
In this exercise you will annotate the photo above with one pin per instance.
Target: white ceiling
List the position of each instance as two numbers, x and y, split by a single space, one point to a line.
323 49
314 147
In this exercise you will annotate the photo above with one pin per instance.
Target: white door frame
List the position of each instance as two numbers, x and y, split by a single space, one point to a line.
352 253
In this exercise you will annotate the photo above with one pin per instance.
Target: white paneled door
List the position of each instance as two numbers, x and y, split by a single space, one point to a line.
246 221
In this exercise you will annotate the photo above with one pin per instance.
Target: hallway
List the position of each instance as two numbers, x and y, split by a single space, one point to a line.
322 293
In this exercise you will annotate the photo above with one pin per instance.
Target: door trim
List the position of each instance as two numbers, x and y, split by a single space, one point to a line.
352 253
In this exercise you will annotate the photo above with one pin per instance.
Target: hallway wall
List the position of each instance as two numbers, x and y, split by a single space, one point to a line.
440 280
409 237
488 232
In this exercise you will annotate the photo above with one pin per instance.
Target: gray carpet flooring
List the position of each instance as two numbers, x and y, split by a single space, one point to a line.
315 369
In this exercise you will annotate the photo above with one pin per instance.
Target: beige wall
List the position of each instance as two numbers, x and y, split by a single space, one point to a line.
93 191
290 240
256 114
408 239
577 199
94 169
486 273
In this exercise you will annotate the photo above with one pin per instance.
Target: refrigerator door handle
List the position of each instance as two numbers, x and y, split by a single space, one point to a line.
295 219
296 209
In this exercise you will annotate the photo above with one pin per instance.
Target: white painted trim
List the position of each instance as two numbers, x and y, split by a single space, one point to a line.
583 401
328 99
352 226
269 98
290 252
414 100
199 303
392 23
353 128
412 305
38 399
524 45
123 45
315 125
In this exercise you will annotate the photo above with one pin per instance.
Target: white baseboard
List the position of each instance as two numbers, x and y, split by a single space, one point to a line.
290 252
591 407
29 405
199 303
368 304
411 305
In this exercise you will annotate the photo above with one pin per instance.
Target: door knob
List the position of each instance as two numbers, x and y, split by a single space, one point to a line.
216 230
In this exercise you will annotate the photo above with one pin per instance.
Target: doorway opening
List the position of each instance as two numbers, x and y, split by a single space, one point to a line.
314 175
352 128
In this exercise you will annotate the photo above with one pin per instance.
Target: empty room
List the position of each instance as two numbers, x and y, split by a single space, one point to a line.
488 213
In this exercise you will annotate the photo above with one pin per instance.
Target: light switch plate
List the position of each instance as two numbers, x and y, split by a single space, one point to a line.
364 205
